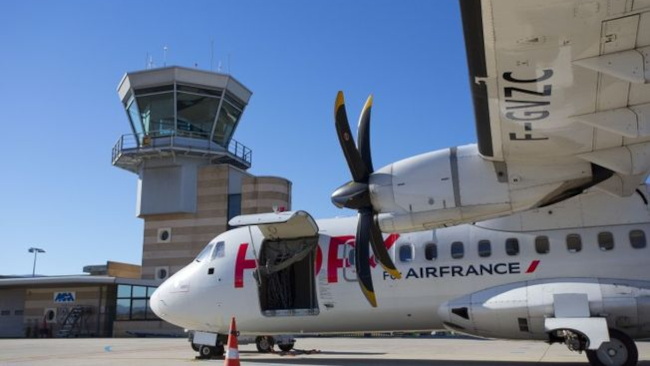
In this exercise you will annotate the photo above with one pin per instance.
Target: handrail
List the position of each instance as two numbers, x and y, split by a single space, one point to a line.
142 142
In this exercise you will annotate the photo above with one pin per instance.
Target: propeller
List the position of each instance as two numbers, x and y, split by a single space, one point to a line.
355 195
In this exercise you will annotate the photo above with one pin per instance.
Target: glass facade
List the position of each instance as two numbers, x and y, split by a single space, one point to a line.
183 110
133 303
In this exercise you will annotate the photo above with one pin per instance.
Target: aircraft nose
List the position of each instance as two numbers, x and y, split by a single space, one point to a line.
173 302
157 303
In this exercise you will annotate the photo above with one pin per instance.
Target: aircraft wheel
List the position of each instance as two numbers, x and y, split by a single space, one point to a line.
286 347
619 351
264 344
208 352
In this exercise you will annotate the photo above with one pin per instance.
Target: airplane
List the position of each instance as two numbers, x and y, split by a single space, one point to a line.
538 231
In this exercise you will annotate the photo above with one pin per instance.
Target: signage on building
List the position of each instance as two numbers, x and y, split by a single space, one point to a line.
65 297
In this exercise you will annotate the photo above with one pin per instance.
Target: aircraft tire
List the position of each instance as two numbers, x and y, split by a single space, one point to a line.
264 344
286 347
208 352
619 351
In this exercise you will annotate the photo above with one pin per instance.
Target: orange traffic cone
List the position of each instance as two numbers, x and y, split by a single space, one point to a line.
232 351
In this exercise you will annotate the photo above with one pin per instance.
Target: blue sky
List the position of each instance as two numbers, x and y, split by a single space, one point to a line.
62 61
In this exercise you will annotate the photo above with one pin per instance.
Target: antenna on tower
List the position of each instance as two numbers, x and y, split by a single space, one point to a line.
165 55
212 55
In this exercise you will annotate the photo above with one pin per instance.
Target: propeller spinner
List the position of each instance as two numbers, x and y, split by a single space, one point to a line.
355 195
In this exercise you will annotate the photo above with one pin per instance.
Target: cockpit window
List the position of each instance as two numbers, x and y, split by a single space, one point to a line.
219 250
204 253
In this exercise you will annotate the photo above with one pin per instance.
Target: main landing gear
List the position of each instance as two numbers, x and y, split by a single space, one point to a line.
265 344
619 351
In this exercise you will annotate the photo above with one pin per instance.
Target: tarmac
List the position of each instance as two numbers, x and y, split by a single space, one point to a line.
328 351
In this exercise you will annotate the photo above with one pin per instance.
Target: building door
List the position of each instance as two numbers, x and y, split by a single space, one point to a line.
12 307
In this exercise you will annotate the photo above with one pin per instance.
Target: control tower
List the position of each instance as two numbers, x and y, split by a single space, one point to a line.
192 174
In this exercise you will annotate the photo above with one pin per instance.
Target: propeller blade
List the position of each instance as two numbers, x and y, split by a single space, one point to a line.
362 256
363 134
380 250
358 169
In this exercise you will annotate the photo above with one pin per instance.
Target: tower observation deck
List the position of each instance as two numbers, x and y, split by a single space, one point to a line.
181 111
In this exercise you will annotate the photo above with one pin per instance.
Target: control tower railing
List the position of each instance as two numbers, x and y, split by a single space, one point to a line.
131 149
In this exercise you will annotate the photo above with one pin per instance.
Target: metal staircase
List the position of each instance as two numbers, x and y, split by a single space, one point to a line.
71 325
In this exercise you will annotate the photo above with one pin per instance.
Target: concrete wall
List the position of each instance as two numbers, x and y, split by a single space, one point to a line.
123 270
189 233
262 194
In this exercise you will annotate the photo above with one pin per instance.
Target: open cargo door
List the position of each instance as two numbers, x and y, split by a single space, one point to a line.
286 262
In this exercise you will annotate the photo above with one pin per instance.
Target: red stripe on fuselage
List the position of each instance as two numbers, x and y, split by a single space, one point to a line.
241 264
533 266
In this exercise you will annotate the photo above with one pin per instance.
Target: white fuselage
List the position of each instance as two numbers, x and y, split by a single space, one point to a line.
508 266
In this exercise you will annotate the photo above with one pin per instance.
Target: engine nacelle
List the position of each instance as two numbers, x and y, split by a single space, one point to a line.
457 185
521 310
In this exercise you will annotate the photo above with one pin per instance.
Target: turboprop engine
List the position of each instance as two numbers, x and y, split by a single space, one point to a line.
457 185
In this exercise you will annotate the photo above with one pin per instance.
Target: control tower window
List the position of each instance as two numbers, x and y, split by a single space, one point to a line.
157 113
134 117
196 113
228 118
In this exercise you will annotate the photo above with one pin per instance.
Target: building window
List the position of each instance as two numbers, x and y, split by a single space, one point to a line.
457 250
431 251
573 243
542 245
406 253
605 240
637 239
512 246
484 248
133 303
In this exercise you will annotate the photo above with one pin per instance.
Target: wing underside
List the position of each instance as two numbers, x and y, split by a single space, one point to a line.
562 82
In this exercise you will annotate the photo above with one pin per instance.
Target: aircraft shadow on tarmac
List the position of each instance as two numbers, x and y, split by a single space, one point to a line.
406 362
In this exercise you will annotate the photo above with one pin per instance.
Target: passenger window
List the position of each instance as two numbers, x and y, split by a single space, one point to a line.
637 239
512 246
542 245
605 240
406 253
484 248
219 250
457 250
431 251
573 243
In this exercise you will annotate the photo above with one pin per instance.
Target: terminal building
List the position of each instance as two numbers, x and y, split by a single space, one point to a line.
192 178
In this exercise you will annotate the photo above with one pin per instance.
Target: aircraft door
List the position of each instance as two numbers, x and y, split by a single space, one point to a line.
347 252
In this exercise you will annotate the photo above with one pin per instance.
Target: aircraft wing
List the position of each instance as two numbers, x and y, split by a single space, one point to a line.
559 81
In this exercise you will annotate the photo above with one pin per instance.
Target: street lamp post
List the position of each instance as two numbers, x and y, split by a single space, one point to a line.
35 251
